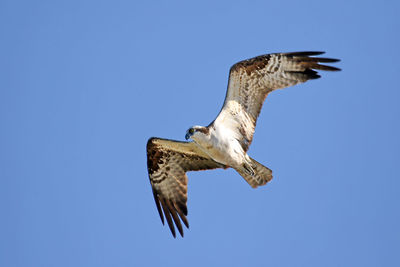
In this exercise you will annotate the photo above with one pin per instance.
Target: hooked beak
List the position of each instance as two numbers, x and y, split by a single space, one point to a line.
187 136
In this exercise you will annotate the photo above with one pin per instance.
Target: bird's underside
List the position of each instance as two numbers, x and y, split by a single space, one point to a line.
224 143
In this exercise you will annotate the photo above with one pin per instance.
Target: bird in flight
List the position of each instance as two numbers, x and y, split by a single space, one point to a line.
225 141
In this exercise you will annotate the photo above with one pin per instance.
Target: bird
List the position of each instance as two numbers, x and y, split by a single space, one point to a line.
225 141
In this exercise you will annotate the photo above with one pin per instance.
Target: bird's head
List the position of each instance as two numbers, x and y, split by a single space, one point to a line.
196 132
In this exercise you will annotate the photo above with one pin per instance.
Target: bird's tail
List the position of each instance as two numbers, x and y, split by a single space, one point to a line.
255 173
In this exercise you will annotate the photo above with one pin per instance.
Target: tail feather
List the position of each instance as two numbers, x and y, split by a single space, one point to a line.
261 176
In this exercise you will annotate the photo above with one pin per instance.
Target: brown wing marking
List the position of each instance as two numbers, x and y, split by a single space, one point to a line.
167 162
250 81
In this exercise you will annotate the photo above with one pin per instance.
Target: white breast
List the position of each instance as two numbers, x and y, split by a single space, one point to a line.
224 148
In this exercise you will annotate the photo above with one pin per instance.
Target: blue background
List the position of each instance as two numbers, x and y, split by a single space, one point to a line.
84 84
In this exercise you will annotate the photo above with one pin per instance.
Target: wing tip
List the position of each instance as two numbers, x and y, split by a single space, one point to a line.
323 67
172 215
311 64
304 53
307 60
158 206
304 58
168 217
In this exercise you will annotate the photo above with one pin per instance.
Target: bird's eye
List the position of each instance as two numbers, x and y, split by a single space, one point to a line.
191 131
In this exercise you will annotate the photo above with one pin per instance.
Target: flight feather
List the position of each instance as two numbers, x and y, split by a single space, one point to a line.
167 163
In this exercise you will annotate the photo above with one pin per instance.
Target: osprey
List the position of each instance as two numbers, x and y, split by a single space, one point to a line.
224 143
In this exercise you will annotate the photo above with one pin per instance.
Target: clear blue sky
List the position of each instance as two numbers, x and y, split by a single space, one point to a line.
84 84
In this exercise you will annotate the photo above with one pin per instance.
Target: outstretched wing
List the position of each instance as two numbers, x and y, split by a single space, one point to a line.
167 164
250 81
